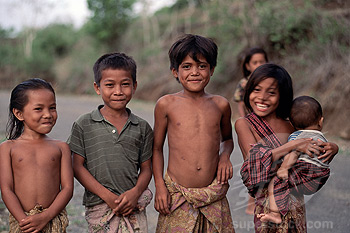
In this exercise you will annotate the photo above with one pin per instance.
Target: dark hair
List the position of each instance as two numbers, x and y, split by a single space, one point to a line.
114 61
305 112
19 100
285 87
192 45
248 56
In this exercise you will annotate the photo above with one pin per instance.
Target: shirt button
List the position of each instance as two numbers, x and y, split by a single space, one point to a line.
113 131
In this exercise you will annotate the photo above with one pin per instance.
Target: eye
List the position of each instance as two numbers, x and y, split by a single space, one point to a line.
109 84
38 109
203 66
186 67
53 108
126 84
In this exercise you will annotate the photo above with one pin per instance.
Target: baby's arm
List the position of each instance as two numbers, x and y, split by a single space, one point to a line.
288 161
162 196
6 180
39 221
225 170
128 200
90 183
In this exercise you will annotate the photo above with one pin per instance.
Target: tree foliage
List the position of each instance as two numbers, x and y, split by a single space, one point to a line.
110 19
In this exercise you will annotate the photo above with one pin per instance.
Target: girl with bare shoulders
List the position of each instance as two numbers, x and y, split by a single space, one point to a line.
36 173
200 144
262 137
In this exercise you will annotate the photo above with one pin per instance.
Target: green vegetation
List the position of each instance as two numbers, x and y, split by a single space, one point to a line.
310 38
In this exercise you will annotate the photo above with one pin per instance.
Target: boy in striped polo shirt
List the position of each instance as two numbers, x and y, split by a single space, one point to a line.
112 150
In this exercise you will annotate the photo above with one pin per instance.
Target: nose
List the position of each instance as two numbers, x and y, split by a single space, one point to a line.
118 90
263 95
195 70
47 113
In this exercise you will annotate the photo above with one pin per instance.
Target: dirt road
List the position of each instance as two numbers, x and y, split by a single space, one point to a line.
327 211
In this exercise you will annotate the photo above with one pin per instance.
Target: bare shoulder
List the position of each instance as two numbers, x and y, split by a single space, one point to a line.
221 102
61 144
6 145
241 124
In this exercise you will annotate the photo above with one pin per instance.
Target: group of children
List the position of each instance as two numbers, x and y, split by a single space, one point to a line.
113 152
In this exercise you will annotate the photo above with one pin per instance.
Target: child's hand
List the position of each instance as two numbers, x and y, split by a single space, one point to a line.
110 200
162 200
126 202
34 223
225 170
307 146
282 173
329 151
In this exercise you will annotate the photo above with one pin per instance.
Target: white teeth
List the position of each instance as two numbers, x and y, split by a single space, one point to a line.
261 106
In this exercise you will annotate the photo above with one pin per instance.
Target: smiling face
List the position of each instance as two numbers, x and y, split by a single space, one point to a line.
194 75
116 88
264 98
39 115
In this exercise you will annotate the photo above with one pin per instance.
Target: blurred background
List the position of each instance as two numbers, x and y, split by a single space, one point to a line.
60 40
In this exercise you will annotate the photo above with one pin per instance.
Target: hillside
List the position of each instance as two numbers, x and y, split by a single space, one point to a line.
311 41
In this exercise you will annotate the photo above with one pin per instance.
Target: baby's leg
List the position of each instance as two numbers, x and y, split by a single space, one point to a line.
274 215
288 161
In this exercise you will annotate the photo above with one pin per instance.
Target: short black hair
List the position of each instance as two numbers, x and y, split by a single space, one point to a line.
305 112
114 61
193 45
285 87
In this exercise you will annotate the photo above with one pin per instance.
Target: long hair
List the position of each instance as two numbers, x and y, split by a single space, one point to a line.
19 100
285 87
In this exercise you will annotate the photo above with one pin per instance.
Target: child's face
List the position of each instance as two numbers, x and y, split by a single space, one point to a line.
116 88
39 115
255 61
194 76
264 99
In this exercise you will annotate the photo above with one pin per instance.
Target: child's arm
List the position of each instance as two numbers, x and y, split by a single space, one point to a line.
128 200
162 196
6 180
90 183
39 221
225 170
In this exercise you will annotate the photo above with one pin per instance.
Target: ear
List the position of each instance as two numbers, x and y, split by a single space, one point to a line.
175 73
212 71
134 86
320 123
18 114
97 88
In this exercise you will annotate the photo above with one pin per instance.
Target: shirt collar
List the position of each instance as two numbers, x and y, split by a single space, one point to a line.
97 116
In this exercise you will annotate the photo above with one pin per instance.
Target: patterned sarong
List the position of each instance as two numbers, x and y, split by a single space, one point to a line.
196 209
257 172
57 225
101 219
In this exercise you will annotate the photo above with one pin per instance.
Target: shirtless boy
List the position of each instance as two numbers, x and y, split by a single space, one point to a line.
200 142
36 171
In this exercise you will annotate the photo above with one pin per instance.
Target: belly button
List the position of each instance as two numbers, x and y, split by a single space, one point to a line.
199 168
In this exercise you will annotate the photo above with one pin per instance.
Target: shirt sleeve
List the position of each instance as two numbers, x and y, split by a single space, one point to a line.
147 145
76 140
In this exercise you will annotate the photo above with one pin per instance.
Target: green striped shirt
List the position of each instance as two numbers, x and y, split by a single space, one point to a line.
113 159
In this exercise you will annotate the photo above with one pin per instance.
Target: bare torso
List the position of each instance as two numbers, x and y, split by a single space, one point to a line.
36 171
194 134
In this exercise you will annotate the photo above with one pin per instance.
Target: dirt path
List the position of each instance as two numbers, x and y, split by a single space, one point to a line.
327 211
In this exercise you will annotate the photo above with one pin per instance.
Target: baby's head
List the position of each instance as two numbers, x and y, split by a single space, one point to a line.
114 61
194 46
306 113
